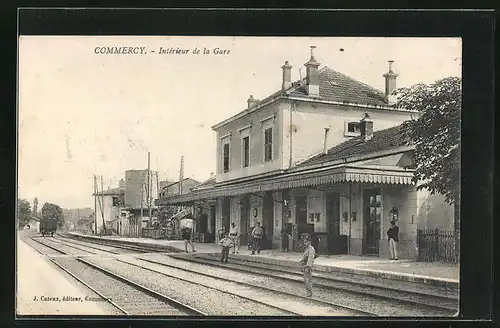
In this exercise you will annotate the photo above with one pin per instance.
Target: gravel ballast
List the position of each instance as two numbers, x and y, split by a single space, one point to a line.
376 306
41 247
352 284
210 301
94 246
133 301
298 304
356 278
65 248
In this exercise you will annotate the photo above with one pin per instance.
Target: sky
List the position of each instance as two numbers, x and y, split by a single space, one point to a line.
82 113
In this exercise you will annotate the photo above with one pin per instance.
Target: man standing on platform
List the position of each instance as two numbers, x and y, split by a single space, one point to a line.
234 235
393 235
257 234
306 264
187 232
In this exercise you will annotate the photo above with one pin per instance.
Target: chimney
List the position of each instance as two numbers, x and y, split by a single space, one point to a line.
366 127
312 81
121 184
287 76
212 175
390 83
325 149
252 101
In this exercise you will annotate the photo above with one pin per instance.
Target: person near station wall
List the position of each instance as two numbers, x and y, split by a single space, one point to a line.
306 263
257 234
187 232
393 235
234 235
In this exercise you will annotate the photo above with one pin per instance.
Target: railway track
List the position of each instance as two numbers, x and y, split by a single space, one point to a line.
129 297
120 245
285 303
108 249
41 247
411 300
420 303
66 249
278 299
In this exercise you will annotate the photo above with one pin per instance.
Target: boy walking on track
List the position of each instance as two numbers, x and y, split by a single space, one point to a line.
226 244
306 263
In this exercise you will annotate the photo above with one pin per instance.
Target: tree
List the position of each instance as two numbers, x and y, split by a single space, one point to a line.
23 212
436 136
53 211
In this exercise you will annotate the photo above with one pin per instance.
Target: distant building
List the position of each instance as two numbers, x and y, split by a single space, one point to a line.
125 209
34 223
109 205
172 188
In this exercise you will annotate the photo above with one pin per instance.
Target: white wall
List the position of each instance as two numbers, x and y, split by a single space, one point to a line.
309 121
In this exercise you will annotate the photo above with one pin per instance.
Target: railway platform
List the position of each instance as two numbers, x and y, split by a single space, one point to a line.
431 273
43 289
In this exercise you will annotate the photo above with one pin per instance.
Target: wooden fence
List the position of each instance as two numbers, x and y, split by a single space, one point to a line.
154 233
438 245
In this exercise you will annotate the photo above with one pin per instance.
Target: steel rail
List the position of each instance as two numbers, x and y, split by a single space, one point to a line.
175 303
361 312
213 262
204 285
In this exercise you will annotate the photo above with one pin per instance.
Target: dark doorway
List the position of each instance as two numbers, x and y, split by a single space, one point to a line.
226 216
301 214
372 204
245 220
268 219
203 226
333 223
212 224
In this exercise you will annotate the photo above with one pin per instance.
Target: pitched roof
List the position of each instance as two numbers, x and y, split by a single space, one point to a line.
177 182
335 86
109 192
382 140
205 184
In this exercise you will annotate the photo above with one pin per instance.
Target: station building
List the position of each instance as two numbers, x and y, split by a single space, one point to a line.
323 155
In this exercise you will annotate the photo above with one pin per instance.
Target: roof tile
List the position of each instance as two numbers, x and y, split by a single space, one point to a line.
335 86
382 140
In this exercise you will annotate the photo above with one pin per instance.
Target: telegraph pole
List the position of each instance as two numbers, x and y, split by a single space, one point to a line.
142 194
102 205
157 185
149 187
95 204
181 175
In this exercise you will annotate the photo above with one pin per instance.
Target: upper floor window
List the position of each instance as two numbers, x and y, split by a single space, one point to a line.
352 129
245 160
268 144
225 157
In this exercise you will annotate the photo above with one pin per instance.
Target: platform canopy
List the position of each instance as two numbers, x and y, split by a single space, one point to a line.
300 179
